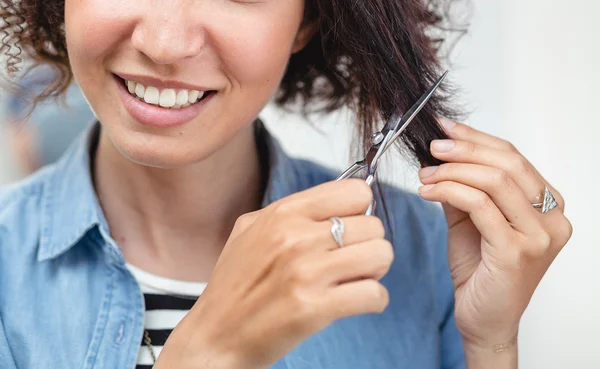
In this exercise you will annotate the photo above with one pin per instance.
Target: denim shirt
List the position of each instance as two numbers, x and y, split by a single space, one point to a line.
67 299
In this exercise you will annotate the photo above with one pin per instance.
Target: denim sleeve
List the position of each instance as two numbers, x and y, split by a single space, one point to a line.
6 359
452 353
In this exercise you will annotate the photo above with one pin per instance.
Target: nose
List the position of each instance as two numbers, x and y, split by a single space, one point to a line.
168 35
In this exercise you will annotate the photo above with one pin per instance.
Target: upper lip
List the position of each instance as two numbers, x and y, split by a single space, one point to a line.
160 83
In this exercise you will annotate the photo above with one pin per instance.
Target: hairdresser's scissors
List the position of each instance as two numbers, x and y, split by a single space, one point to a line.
382 140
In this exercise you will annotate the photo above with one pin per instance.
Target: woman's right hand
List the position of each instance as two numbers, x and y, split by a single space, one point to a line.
282 277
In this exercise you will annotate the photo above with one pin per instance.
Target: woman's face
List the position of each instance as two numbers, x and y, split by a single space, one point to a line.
220 60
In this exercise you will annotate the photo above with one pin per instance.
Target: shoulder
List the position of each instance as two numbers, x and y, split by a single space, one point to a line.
19 195
20 214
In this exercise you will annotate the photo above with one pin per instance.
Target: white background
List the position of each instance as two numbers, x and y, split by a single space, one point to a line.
528 70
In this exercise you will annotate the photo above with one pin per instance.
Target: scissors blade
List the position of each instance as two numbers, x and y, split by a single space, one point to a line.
399 124
392 129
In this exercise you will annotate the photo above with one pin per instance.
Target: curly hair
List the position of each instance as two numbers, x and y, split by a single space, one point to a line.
374 56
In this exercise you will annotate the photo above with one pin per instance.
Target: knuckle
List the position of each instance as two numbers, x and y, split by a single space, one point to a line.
284 239
243 221
538 246
520 164
281 207
288 241
385 257
568 228
513 258
564 230
387 250
511 147
502 179
506 145
377 226
299 275
469 148
446 170
301 306
543 241
379 294
482 202
360 189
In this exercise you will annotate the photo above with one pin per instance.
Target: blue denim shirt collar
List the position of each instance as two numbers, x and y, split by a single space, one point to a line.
70 207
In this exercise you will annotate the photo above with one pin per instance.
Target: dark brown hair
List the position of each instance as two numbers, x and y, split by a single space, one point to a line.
374 56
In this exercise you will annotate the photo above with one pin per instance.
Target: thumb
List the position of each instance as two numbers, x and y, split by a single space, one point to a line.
453 215
464 239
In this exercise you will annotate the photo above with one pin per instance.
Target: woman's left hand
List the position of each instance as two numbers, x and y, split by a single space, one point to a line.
499 245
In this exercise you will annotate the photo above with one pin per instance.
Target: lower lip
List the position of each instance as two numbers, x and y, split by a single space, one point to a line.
155 116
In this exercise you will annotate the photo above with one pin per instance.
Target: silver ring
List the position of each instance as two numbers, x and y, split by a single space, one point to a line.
337 230
549 202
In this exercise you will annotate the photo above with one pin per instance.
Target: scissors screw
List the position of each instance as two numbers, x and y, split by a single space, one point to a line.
377 138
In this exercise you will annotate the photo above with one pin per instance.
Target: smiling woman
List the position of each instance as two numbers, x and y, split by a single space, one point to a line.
177 233
373 56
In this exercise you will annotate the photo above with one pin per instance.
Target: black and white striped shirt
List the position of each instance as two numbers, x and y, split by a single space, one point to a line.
167 302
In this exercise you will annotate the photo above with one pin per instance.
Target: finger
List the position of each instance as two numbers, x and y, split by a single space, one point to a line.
337 198
497 184
460 131
357 229
367 260
519 168
484 213
356 298
307 236
463 132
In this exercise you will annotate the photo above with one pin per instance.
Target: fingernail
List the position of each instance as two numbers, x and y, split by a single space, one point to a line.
426 172
426 188
448 124
442 145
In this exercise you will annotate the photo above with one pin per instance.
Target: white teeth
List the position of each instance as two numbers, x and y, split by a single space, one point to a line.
193 96
167 98
151 95
182 97
139 90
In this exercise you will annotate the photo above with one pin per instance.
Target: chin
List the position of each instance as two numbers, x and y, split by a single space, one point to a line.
164 157
173 147
159 151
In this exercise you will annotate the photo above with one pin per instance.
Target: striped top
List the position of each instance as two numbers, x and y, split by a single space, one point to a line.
167 302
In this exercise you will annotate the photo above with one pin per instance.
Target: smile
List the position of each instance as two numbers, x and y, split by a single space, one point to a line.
165 97
162 104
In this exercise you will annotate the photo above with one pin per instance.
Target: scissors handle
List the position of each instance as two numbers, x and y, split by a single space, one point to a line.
371 208
352 170
355 168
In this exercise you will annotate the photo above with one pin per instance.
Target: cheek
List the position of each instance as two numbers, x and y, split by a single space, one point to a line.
94 28
256 52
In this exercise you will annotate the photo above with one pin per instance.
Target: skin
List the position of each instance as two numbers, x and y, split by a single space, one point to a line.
499 245
183 202
164 180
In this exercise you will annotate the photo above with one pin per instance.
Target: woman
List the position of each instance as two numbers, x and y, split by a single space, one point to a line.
179 185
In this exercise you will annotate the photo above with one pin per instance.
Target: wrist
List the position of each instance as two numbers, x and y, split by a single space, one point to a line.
499 355
496 338
188 347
